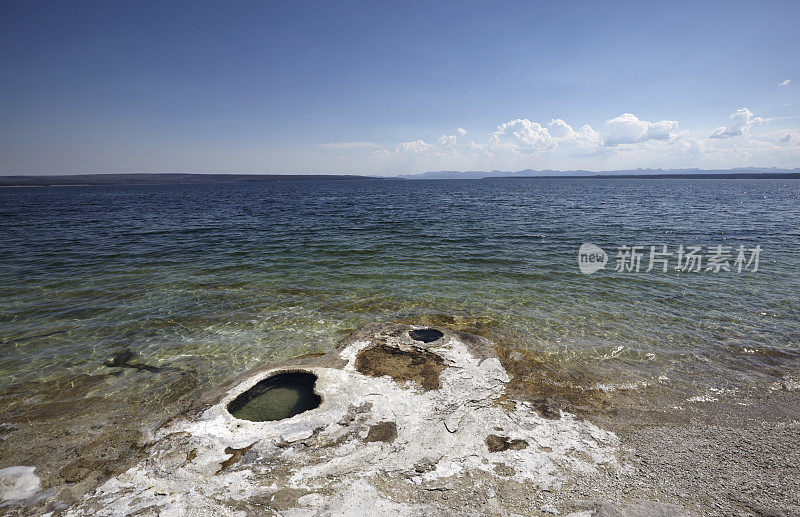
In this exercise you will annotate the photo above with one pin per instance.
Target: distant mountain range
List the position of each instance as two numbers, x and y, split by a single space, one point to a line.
761 172
178 179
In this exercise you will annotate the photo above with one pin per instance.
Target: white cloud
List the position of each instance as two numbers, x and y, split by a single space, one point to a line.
445 146
785 137
785 82
521 136
560 129
448 142
417 147
741 122
522 140
623 142
628 129
583 141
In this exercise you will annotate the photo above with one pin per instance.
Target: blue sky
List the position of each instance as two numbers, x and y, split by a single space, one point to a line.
388 88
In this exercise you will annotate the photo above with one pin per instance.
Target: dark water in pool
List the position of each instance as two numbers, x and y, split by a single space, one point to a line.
223 277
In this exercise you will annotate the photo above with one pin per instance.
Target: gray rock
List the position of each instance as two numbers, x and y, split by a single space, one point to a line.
640 509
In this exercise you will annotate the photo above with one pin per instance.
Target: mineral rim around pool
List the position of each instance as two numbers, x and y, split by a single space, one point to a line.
401 427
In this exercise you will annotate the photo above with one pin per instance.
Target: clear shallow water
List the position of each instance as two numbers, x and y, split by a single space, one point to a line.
224 277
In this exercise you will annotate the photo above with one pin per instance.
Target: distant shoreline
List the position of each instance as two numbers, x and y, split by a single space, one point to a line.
87 180
76 180
669 176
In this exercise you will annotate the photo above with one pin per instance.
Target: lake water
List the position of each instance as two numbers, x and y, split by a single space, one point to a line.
221 278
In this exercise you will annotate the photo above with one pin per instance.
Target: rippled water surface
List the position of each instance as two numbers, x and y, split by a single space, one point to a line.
220 278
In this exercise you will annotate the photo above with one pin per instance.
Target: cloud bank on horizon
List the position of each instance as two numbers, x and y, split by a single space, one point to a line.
624 141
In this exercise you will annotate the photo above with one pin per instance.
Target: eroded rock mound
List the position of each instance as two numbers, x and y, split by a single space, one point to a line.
402 427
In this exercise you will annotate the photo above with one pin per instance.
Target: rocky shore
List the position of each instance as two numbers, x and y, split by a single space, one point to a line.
415 420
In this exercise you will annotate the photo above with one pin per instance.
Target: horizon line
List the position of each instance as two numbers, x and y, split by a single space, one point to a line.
130 179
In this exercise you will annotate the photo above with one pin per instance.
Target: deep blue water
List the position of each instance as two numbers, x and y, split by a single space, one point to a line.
223 277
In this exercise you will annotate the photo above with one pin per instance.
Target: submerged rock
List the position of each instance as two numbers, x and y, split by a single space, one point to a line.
401 427
125 359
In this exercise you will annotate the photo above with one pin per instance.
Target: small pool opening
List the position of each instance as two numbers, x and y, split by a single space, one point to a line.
279 396
425 335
